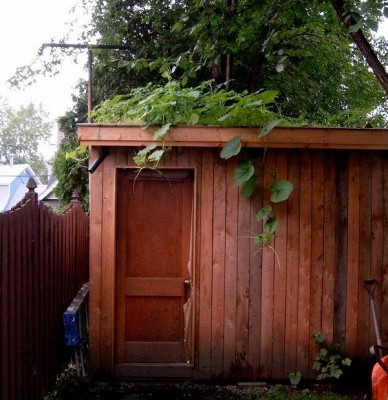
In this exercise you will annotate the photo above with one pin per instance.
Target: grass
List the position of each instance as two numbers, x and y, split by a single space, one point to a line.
71 387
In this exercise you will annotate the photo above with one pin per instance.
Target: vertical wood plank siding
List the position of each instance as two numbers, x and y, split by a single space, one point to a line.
43 262
256 308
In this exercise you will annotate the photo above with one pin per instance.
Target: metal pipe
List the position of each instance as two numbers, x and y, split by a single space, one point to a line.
89 47
101 157
90 84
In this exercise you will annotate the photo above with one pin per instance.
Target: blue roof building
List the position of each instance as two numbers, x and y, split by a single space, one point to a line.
13 181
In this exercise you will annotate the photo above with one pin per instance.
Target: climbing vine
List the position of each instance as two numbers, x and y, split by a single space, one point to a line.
245 177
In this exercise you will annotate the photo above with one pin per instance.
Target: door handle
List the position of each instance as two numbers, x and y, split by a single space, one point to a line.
187 283
186 286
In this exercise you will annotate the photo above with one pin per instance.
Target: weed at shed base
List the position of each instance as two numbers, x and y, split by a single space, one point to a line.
71 387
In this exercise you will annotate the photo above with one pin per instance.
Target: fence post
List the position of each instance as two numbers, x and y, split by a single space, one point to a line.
75 197
31 194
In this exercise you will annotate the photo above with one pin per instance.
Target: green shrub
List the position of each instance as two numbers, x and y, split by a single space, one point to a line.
329 362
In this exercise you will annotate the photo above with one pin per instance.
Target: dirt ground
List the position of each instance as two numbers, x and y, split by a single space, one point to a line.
71 387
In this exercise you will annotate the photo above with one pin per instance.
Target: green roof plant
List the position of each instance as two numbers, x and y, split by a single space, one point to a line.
174 104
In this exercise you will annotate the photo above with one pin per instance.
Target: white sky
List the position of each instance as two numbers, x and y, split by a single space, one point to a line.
24 26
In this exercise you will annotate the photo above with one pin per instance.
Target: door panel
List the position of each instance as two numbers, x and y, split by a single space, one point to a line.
143 352
154 287
153 319
154 226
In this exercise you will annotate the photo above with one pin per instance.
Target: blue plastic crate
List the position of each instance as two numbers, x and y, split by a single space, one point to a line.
75 318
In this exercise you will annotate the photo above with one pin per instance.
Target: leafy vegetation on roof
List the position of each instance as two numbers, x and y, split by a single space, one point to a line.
174 104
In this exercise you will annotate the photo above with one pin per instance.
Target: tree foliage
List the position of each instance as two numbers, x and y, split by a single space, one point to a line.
299 48
70 168
353 26
71 160
21 131
146 27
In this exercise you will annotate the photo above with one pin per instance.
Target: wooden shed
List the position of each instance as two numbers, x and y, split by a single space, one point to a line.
178 287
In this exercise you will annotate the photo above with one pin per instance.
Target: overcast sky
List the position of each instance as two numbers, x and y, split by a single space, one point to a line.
24 26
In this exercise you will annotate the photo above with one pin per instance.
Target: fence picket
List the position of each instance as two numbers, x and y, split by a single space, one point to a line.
44 262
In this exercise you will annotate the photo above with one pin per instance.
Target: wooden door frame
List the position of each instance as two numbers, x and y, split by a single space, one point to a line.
166 370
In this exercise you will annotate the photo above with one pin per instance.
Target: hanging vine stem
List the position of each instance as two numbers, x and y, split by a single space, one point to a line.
244 177
149 158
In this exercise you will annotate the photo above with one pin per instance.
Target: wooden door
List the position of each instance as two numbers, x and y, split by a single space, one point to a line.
154 233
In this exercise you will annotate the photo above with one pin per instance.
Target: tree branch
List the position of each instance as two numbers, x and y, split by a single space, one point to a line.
362 43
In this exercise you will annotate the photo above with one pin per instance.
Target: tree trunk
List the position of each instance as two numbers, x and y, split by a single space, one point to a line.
256 67
362 43
228 70
229 58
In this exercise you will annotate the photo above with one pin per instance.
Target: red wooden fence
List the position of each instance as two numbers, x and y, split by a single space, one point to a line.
43 263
